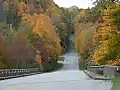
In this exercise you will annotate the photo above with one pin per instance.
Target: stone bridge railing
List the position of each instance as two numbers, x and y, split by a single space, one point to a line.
13 73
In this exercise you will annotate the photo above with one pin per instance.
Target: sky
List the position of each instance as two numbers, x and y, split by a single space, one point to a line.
78 3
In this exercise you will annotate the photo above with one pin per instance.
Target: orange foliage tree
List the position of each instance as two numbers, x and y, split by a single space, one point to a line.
48 42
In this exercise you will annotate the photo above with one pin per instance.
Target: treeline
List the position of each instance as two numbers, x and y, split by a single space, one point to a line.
33 33
97 33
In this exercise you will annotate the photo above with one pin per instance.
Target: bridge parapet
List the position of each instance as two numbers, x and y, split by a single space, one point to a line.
107 71
12 73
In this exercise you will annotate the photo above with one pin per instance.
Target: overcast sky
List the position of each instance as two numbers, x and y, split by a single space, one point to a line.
78 3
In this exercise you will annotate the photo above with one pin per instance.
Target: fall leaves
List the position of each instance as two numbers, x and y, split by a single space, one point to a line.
107 51
105 43
33 28
15 49
48 42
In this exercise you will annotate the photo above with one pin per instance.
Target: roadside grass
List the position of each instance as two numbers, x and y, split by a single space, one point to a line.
116 82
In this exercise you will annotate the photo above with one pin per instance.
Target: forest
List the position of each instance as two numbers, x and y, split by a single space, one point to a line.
34 33
97 32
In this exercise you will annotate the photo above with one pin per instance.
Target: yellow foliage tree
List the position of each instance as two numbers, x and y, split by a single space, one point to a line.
107 40
48 42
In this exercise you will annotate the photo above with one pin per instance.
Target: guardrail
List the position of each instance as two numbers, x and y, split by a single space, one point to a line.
107 71
12 73
96 68
117 68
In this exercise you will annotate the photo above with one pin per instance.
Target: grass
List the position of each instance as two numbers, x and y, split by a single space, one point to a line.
116 83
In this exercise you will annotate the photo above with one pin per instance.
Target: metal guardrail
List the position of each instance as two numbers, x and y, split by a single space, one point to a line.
102 67
12 73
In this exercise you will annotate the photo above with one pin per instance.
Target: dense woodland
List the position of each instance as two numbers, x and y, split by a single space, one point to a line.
34 33
97 32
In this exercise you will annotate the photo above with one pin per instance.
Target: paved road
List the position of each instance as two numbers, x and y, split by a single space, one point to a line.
69 77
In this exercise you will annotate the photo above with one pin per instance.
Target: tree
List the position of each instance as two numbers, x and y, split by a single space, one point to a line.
108 32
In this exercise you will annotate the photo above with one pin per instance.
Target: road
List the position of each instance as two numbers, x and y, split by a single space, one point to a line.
69 77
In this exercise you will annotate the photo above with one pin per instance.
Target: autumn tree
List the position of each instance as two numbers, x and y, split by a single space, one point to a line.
45 40
107 52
